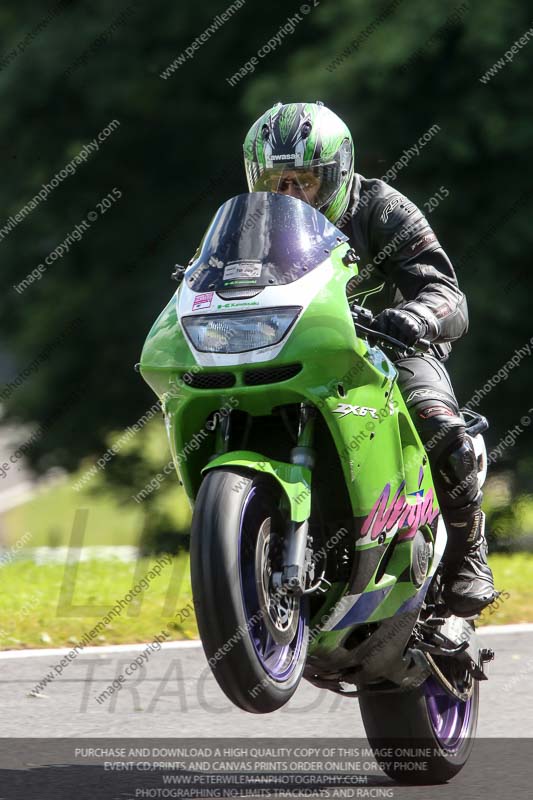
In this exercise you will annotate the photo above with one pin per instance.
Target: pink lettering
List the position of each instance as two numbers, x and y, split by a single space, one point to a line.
384 516
376 520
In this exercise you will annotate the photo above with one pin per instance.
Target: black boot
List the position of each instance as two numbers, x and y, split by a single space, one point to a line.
468 584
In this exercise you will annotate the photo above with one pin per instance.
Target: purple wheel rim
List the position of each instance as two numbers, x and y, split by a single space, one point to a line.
278 661
449 716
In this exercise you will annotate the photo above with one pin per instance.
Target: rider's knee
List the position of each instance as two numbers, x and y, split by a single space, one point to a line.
439 427
456 474
451 453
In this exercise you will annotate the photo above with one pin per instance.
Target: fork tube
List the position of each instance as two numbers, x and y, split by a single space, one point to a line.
293 570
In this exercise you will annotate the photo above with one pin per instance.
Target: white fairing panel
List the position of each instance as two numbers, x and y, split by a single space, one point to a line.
298 293
481 456
440 543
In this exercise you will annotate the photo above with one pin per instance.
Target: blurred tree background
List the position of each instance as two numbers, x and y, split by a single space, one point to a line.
390 69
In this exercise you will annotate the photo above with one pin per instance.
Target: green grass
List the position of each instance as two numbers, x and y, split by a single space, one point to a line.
30 617
29 599
513 574
49 517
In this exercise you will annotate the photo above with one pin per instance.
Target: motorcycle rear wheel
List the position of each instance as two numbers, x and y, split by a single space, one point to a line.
423 735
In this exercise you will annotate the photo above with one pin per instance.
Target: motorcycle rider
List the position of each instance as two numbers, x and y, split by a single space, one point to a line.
306 151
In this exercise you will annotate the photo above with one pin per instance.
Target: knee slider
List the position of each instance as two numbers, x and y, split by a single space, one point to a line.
456 473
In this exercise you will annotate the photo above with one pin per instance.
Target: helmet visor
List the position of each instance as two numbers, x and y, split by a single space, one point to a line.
315 184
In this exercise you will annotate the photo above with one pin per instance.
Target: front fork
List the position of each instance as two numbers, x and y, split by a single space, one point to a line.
292 576
291 579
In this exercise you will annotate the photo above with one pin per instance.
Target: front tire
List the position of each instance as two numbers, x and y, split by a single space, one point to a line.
255 645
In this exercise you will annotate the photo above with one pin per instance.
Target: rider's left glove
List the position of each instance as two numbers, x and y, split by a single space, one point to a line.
404 326
408 324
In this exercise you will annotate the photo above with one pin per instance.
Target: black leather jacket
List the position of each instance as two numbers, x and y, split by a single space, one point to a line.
401 262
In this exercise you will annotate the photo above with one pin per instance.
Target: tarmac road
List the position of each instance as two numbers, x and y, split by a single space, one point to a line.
175 695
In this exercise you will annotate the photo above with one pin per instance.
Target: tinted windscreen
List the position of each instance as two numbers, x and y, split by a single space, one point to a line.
261 239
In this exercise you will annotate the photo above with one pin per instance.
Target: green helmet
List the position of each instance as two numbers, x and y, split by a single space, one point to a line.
308 143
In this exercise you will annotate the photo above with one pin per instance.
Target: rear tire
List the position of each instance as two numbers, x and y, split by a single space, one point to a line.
258 664
423 718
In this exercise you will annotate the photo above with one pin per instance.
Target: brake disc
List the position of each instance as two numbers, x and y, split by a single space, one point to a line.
447 684
280 611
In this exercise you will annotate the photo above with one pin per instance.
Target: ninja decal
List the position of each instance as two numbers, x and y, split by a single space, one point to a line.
386 516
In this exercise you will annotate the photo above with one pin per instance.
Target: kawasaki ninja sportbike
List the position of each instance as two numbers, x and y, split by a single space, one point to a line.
316 536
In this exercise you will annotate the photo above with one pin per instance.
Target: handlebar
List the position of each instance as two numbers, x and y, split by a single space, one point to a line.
358 312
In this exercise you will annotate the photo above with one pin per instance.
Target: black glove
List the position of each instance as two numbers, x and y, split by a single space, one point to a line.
402 325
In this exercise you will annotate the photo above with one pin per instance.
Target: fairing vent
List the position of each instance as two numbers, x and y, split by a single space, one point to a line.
256 377
211 380
239 293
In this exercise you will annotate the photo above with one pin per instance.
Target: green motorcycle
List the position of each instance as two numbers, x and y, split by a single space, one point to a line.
316 535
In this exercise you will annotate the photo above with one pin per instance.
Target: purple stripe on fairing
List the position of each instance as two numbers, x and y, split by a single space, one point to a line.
368 602
417 599
364 607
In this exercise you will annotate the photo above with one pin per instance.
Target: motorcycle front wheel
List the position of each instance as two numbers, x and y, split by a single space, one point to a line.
255 640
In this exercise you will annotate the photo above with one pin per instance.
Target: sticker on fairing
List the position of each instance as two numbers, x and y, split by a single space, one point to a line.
360 411
241 269
396 512
237 305
202 301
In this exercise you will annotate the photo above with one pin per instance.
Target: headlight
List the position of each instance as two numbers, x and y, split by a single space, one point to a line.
239 331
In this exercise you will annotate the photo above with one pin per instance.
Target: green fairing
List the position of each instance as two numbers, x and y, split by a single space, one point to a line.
325 325
293 479
373 452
